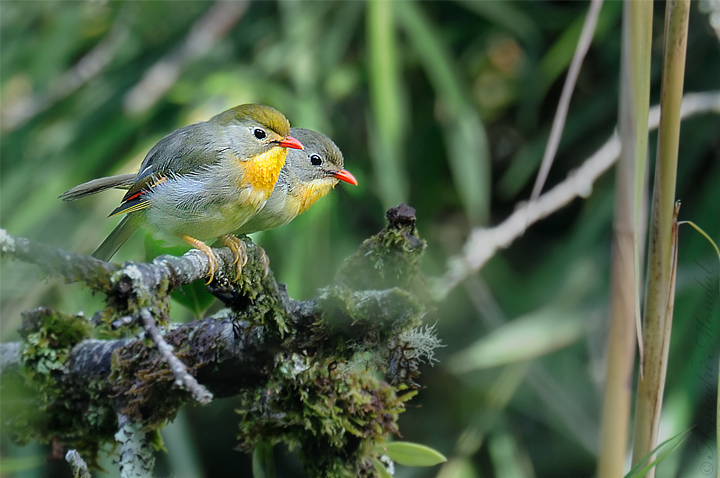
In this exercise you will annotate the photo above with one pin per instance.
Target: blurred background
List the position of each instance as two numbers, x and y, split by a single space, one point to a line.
443 105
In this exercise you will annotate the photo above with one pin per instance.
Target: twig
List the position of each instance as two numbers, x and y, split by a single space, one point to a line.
562 109
77 465
182 378
484 243
205 34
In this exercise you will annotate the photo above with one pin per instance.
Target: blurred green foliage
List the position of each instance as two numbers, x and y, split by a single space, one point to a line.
444 105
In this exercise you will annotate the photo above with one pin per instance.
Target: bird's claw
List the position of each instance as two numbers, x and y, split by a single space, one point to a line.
239 252
212 266
207 250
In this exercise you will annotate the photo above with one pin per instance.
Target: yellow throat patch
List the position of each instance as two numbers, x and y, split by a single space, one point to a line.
262 172
312 191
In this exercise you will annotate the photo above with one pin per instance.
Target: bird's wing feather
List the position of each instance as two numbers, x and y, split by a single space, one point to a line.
181 152
117 238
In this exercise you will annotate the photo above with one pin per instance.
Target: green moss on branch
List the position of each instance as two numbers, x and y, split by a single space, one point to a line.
330 375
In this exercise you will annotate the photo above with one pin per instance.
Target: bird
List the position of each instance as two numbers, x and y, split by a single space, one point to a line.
307 176
201 181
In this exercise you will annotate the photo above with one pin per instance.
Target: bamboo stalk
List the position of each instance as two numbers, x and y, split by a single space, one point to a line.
634 106
659 298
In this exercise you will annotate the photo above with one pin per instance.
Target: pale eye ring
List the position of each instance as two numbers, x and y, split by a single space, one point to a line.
259 133
315 160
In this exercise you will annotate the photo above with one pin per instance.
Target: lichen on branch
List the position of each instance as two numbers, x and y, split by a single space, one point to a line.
330 375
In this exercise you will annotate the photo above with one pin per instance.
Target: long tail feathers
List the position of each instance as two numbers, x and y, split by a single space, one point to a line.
117 238
121 181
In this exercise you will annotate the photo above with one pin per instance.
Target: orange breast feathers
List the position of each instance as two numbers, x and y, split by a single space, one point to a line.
262 172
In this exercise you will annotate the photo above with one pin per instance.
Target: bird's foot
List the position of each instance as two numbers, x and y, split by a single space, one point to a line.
239 251
207 250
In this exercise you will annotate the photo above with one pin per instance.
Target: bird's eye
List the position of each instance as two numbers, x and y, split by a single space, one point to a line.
316 160
259 133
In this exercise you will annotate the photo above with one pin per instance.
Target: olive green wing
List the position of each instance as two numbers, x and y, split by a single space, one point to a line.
181 152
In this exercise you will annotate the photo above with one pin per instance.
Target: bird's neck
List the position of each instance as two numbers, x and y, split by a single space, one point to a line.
310 192
262 172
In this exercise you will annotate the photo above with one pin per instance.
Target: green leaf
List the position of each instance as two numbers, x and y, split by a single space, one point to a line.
380 469
704 234
664 448
413 454
194 296
263 464
524 338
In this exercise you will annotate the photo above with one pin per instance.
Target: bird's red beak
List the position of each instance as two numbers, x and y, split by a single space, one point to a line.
346 176
290 142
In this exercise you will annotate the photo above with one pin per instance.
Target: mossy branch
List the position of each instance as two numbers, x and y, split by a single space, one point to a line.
306 373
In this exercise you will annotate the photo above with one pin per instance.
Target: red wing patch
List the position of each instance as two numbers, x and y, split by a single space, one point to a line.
136 201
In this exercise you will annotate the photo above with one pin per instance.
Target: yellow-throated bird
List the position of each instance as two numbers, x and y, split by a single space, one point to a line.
201 181
307 176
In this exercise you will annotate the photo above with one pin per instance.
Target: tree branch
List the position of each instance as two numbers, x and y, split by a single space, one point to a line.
315 364
133 285
484 243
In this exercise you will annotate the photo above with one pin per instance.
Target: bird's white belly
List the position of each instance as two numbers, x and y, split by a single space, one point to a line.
185 206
